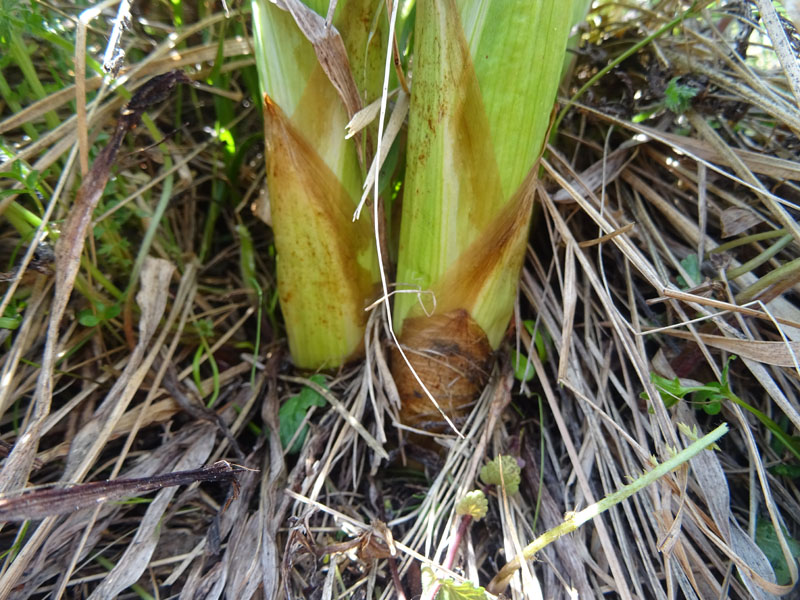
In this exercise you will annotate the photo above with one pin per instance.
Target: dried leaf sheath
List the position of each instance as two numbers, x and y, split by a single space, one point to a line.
323 258
451 354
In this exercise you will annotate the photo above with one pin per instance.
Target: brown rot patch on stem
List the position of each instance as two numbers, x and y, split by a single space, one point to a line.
453 358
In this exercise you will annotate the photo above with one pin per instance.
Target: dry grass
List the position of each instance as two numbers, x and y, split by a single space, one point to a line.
623 204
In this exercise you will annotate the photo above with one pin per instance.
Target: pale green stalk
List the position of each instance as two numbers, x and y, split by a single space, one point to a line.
326 264
484 78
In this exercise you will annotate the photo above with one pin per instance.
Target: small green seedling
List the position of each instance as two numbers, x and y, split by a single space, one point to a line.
472 507
100 314
678 96
709 398
447 589
292 413
12 318
474 504
523 369
691 265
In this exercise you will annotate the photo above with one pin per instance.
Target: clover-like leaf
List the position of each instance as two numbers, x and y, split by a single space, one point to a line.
473 504
710 401
671 390
503 470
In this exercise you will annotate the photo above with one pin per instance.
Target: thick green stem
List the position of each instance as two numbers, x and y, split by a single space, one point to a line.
485 78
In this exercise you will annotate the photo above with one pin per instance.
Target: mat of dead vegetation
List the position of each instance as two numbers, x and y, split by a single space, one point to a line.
661 282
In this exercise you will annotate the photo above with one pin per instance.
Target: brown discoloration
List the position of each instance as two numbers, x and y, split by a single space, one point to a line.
375 543
500 249
155 90
498 244
452 356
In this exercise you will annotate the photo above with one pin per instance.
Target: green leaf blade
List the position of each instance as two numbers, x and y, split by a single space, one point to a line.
293 412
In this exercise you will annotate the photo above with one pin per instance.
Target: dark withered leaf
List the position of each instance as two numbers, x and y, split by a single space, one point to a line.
40 503
156 90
